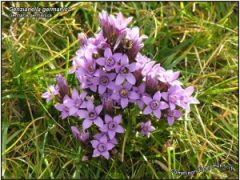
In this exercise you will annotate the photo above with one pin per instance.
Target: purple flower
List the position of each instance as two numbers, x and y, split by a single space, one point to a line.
88 82
169 77
173 96
76 102
186 99
140 90
63 108
154 104
51 92
101 147
125 71
104 20
105 80
62 85
87 65
123 94
172 115
111 126
81 136
148 68
141 61
99 135
99 41
91 115
119 22
135 39
109 61
146 128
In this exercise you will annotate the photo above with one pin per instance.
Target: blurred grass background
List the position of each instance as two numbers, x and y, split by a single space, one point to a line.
200 39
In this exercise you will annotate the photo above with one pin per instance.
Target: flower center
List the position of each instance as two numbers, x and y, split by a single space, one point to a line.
112 125
92 115
124 70
101 147
145 129
154 105
110 62
127 44
124 93
104 80
95 55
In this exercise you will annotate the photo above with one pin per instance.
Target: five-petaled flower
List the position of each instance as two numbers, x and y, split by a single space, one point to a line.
91 115
101 147
154 105
146 128
112 126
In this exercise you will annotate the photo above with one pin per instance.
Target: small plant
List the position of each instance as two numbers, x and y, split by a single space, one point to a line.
114 77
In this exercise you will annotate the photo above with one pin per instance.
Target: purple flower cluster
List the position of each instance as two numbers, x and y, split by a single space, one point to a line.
113 76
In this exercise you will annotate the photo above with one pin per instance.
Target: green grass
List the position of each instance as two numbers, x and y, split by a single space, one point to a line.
200 39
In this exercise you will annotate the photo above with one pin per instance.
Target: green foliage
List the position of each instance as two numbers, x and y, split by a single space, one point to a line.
199 39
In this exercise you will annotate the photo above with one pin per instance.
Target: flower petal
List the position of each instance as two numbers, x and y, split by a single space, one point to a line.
59 107
86 123
101 89
163 105
124 102
96 153
164 96
188 91
157 96
120 129
108 53
82 113
90 106
111 76
107 118
101 61
74 93
172 106
117 119
157 113
132 67
99 109
170 120
94 143
117 56
124 60
147 110
146 99
131 78
103 139
119 79
111 134
133 95
72 111
110 146
177 114
75 131
104 128
98 122
105 154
